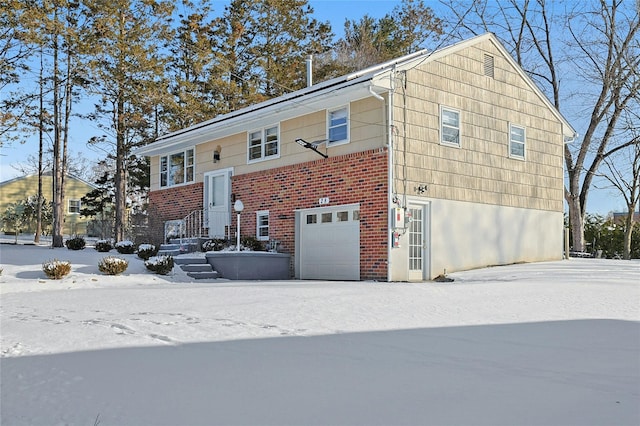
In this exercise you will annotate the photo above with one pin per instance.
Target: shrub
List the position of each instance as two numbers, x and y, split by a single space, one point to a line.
56 269
145 251
103 246
217 244
75 243
112 265
125 247
160 264
251 243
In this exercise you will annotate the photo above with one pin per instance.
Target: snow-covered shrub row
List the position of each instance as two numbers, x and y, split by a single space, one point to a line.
75 243
103 246
145 251
160 264
56 269
112 265
125 247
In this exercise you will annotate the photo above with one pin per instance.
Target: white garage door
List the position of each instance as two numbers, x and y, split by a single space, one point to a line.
328 243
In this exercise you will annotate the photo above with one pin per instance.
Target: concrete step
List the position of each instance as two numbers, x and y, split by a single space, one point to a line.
199 267
203 275
190 260
163 252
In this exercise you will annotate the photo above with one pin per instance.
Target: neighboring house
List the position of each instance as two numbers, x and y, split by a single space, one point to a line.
620 218
436 161
18 189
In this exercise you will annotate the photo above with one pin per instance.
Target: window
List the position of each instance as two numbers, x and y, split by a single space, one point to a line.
312 218
264 143
326 217
449 127
177 168
338 125
516 141
74 206
262 225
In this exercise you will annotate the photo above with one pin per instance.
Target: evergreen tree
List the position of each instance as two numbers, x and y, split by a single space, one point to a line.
127 69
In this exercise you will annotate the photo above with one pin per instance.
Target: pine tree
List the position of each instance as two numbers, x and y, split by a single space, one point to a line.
127 69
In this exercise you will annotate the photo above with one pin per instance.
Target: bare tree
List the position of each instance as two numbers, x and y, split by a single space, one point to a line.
623 174
599 54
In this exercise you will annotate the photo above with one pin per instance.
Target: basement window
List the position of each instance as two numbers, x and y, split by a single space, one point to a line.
262 225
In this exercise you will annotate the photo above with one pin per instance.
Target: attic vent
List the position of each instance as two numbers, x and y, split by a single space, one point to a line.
488 65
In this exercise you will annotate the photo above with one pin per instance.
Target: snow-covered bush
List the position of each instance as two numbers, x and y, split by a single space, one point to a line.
217 244
56 269
125 247
112 265
160 264
75 243
103 246
145 251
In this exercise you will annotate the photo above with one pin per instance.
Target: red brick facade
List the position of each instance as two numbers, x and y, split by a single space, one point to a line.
354 178
177 202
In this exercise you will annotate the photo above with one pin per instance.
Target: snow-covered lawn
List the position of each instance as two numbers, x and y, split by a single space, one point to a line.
533 344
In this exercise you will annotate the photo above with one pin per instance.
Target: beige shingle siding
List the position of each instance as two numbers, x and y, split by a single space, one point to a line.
481 170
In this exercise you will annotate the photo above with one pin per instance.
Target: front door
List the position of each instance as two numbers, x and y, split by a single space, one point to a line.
418 242
217 202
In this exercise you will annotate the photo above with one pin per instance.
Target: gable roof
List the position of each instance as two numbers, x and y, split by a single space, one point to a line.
69 176
337 91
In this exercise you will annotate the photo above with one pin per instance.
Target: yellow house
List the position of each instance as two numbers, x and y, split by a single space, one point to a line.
17 189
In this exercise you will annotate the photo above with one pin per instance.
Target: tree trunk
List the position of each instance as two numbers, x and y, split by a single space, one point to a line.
628 231
120 177
58 212
36 238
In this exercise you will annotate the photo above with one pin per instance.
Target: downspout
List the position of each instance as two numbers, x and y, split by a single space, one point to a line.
389 127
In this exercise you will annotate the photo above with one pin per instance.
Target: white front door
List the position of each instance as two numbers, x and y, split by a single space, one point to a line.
217 202
418 242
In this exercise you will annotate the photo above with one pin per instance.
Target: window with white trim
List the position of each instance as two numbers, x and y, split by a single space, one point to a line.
177 168
264 143
74 207
338 125
449 126
517 140
262 225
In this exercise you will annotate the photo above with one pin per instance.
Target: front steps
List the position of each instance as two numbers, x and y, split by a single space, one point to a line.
196 267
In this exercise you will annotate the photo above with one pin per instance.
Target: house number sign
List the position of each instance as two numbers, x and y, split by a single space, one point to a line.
324 200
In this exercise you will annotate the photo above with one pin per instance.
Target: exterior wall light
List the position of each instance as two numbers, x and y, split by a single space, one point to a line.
216 154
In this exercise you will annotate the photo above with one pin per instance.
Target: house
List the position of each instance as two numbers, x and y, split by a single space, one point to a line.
20 188
431 163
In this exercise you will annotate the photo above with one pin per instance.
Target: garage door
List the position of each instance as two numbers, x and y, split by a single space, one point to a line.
328 243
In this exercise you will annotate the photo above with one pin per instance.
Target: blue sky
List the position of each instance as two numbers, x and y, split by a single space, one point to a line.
600 201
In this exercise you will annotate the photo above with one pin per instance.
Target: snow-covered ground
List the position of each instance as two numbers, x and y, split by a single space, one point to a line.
531 344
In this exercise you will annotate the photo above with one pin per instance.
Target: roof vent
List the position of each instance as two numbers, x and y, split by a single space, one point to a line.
488 65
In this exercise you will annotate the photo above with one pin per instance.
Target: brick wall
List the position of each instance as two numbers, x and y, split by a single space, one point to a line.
353 178
177 202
